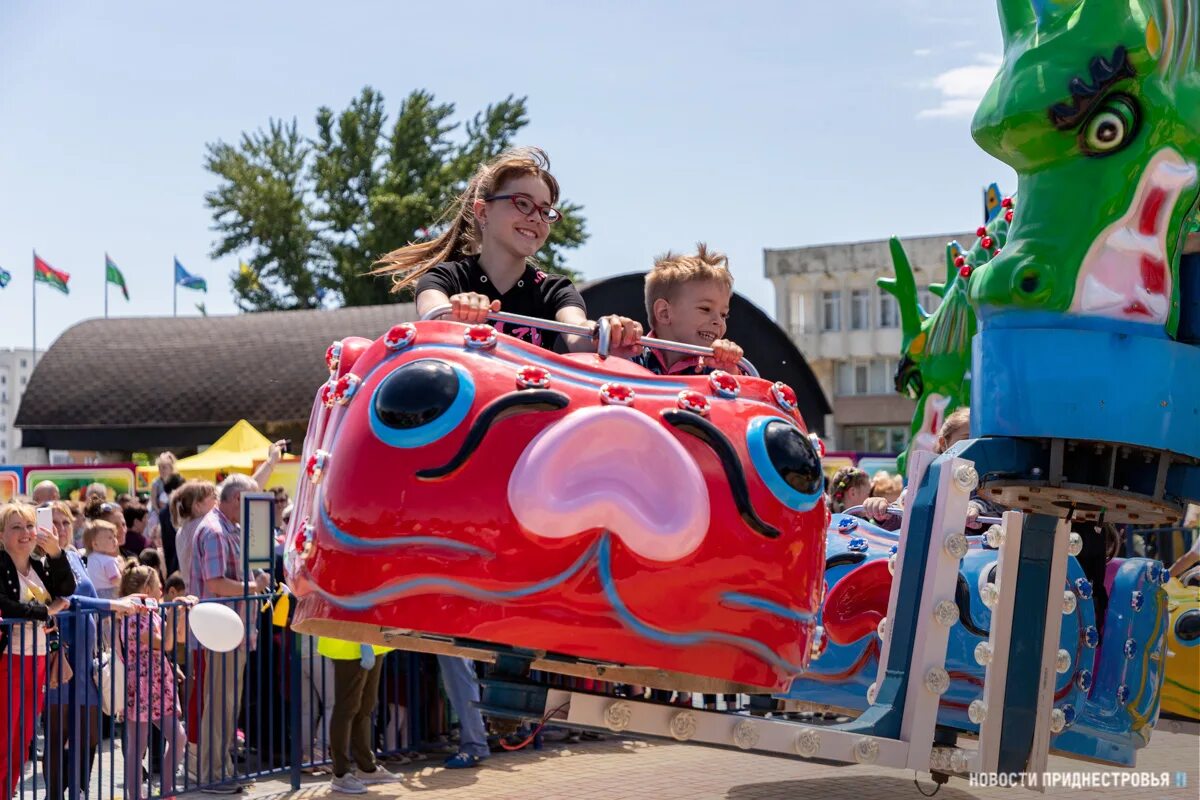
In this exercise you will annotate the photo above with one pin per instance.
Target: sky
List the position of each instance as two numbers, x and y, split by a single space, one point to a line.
745 125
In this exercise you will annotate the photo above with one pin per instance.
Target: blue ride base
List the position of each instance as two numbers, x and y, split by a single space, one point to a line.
1107 692
1045 385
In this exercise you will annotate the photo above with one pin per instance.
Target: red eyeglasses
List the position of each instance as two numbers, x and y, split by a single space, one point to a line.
526 205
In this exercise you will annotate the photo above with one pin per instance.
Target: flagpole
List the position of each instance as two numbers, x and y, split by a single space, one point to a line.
106 285
174 288
35 308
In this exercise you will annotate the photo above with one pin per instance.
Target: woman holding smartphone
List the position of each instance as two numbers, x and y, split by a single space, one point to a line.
32 591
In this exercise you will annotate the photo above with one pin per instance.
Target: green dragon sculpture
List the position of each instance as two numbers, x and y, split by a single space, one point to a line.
1097 107
935 363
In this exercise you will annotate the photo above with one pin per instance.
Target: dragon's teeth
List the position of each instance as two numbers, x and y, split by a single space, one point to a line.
1157 303
1097 295
1127 240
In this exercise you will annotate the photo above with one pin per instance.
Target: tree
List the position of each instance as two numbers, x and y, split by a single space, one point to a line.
261 206
315 215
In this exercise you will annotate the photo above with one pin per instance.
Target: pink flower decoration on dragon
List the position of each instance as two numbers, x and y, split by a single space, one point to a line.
456 495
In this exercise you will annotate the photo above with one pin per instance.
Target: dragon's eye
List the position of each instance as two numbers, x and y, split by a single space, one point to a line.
1111 127
1187 627
908 379
420 402
784 458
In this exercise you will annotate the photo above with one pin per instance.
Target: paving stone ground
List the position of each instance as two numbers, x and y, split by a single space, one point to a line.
632 769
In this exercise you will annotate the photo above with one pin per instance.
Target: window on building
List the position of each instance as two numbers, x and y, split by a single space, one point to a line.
889 311
928 300
874 377
874 438
860 309
796 312
24 380
879 377
24 363
831 311
3 380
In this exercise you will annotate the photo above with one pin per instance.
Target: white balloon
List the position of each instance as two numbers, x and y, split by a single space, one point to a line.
216 626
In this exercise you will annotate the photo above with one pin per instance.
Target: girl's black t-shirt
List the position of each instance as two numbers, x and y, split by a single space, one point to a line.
535 294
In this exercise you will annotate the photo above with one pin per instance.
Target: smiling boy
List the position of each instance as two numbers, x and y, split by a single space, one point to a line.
687 300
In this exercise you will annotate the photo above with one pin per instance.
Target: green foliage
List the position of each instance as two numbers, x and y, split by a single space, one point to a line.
315 214
261 206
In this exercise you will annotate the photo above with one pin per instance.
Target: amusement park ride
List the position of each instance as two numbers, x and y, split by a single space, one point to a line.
471 494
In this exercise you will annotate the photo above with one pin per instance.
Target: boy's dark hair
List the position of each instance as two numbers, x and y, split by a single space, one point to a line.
174 581
150 558
133 514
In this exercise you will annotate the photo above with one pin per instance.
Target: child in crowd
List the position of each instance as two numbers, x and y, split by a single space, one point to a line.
484 259
956 428
149 557
103 558
175 589
687 300
135 526
886 485
150 696
98 509
850 487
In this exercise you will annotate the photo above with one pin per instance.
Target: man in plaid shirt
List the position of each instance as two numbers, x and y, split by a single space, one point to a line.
217 573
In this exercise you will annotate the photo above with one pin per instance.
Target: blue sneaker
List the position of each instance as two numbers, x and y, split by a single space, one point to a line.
462 761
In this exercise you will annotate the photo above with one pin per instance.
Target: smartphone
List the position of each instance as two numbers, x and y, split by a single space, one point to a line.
287 447
45 518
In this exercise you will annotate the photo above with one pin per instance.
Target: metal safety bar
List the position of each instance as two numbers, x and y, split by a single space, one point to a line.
898 511
596 331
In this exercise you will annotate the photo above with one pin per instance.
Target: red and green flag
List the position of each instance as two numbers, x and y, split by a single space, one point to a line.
113 275
44 273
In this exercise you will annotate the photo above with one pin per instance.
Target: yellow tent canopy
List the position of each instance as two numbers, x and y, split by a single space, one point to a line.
240 449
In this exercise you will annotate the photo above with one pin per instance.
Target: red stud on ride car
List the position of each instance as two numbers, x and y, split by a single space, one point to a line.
616 394
480 337
531 377
724 385
400 336
693 401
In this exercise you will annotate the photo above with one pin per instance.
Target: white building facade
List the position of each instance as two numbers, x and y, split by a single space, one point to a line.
849 329
16 365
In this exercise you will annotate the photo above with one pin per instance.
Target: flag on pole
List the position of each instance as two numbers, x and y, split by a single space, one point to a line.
114 276
44 273
5 277
187 280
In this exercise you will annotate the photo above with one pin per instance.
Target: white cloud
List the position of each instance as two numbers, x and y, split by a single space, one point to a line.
922 52
961 88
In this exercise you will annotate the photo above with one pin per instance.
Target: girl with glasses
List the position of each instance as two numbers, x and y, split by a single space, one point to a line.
484 260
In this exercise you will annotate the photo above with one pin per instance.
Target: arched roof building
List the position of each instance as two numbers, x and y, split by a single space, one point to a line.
150 383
